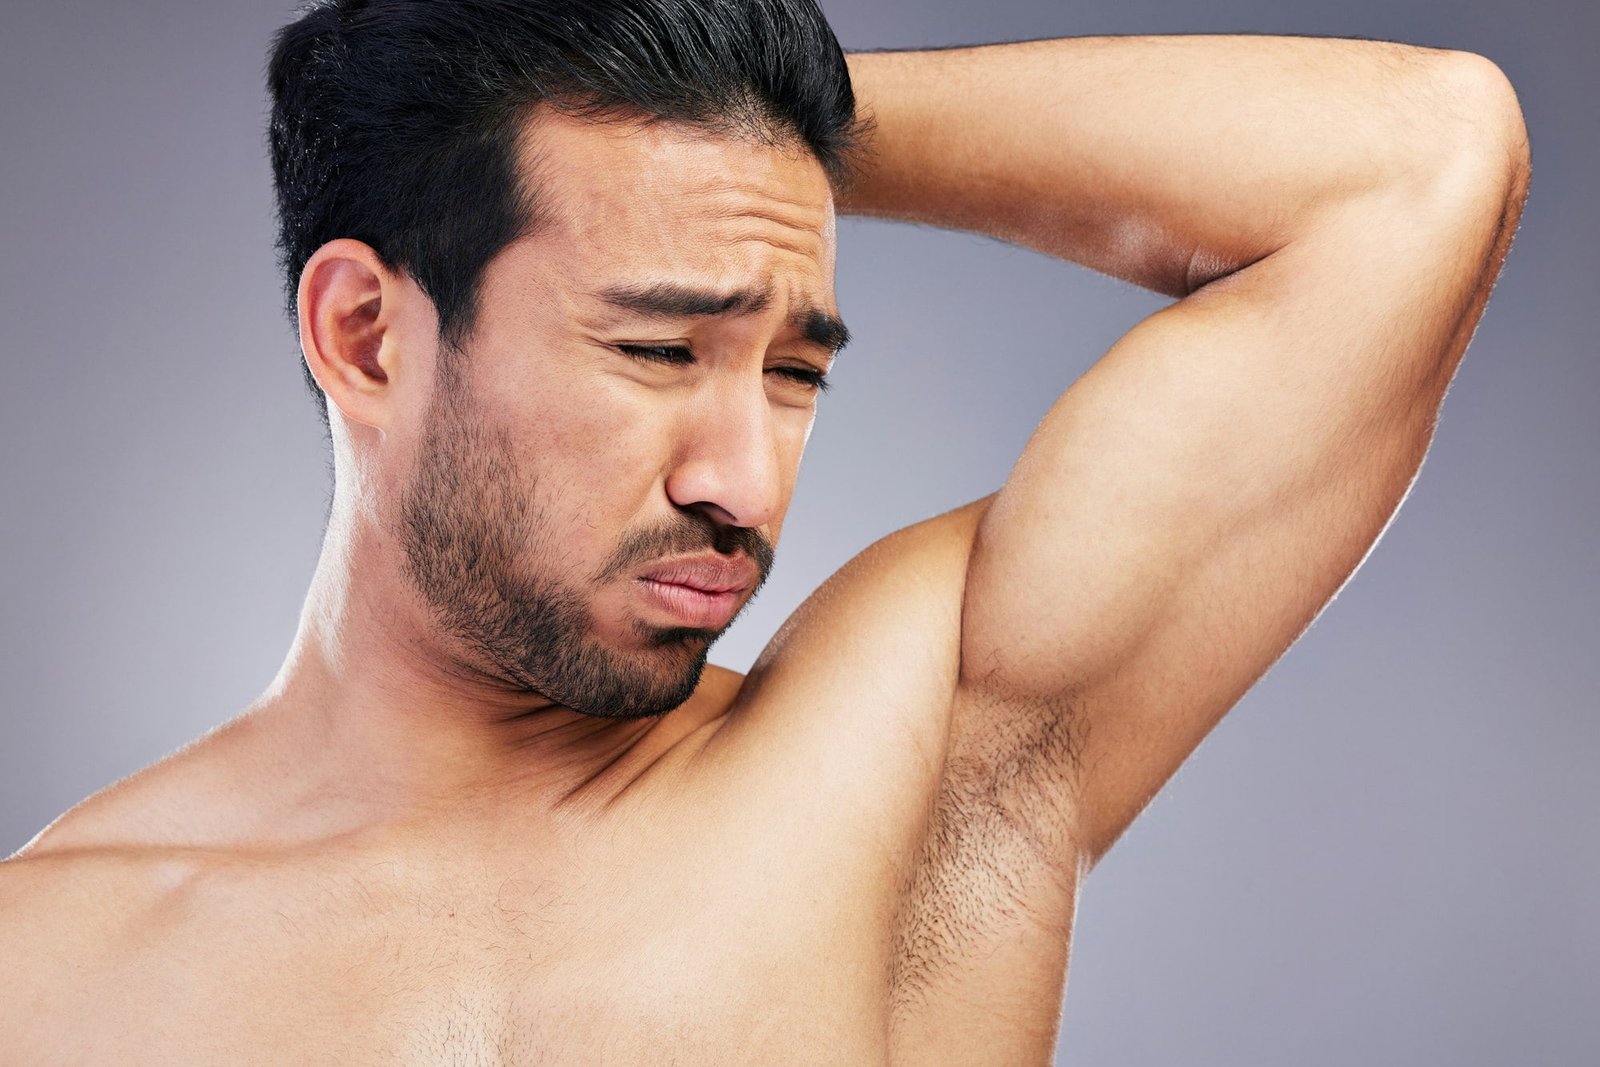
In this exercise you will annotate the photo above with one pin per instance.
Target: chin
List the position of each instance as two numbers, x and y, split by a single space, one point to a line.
684 637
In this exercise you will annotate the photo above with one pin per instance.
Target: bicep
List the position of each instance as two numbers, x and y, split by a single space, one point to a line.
1187 507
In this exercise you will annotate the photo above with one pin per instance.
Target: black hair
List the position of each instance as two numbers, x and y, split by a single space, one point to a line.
397 122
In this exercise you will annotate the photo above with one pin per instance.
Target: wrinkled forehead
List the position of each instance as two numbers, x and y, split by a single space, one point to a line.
619 199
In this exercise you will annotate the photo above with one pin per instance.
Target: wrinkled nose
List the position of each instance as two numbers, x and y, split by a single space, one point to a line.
730 461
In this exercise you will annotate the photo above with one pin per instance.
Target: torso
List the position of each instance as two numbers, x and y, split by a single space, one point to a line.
698 951
668 938
753 899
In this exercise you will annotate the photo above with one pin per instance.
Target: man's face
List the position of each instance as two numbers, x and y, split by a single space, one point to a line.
561 467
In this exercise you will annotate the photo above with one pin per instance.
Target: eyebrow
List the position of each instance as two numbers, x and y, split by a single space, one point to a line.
669 300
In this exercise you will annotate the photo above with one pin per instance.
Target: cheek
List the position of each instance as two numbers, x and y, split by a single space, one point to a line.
595 456
607 436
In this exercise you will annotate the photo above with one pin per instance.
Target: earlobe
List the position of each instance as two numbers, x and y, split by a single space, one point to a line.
343 324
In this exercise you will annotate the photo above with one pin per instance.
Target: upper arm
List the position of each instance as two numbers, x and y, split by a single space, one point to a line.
1188 506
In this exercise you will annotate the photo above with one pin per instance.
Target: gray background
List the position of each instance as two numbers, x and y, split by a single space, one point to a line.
1386 855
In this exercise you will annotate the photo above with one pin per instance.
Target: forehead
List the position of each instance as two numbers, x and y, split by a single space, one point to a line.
627 202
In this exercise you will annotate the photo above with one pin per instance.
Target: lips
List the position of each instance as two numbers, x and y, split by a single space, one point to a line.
702 591
707 574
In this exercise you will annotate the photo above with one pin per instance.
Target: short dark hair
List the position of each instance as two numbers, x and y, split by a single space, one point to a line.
397 122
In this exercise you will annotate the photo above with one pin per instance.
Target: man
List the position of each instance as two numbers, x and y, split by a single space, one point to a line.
563 278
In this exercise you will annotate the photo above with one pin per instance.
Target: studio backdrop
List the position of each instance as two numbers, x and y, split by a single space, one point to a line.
1389 853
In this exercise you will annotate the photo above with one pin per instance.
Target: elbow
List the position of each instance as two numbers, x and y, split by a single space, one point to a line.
1494 107
1491 140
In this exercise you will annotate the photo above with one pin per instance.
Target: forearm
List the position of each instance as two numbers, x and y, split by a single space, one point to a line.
1166 161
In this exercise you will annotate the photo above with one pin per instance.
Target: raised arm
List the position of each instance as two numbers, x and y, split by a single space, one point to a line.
1171 161
1333 213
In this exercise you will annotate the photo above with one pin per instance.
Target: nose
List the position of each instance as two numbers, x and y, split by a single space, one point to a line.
730 455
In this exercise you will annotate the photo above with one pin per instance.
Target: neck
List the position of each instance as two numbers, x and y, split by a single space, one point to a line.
370 722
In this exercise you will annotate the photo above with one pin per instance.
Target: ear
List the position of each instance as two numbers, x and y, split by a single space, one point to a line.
348 303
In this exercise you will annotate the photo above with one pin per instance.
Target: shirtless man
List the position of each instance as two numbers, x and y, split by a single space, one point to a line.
496 808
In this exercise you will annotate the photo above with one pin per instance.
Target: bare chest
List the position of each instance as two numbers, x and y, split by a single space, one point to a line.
526 967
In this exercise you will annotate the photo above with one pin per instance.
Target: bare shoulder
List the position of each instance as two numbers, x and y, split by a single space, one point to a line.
192 793
98 868
869 656
75 893
70 861
842 719
75 923
63 912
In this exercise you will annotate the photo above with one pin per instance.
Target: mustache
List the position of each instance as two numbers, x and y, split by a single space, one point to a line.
685 535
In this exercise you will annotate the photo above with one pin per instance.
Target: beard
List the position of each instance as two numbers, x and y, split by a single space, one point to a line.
482 559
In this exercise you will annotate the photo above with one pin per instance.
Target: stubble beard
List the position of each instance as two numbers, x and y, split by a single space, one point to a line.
487 568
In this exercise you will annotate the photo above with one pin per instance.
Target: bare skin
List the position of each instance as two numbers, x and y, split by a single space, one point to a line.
497 807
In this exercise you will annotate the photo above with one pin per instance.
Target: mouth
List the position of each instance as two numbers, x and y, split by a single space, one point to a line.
692 606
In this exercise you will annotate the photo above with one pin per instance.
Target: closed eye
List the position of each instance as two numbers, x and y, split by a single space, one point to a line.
660 354
677 355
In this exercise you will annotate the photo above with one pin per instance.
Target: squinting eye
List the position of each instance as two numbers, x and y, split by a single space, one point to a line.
653 354
814 378
677 355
